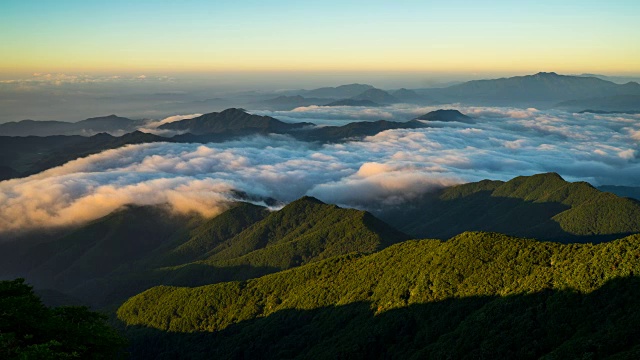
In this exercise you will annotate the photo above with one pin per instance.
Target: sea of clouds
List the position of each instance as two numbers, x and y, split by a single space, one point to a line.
388 168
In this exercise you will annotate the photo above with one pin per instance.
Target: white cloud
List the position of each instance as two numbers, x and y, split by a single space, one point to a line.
152 126
627 154
387 168
515 144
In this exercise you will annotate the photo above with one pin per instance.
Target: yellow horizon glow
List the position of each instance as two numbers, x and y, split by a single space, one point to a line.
469 63
408 36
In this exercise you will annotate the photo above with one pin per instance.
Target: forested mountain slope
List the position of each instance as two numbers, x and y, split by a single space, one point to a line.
542 206
478 295
135 248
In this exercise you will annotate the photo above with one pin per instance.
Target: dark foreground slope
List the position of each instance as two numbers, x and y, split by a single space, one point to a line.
478 295
542 206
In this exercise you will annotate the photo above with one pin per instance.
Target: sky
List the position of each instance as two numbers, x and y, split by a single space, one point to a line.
262 36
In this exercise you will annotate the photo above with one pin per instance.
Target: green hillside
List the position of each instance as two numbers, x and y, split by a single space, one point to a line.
135 248
99 248
304 231
216 231
542 206
478 295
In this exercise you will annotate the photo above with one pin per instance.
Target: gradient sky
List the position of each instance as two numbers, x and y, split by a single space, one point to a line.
463 36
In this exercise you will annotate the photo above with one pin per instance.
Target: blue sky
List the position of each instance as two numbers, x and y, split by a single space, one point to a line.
569 36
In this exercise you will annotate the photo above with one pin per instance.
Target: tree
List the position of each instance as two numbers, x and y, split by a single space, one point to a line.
30 330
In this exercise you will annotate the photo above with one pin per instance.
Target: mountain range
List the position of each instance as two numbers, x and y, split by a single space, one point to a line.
110 124
529 268
27 155
539 90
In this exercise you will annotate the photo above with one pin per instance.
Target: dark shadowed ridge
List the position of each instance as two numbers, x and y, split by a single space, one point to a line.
110 123
32 154
232 120
447 116
7 172
355 130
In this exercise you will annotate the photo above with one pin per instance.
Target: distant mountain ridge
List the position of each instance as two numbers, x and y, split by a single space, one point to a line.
353 102
541 89
338 92
91 126
284 102
355 130
377 96
616 103
29 155
231 120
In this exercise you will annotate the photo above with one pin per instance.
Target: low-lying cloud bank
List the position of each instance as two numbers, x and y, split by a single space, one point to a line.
386 169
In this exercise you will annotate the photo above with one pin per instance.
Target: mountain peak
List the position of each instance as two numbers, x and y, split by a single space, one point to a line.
446 115
233 111
548 175
308 200
546 74
232 120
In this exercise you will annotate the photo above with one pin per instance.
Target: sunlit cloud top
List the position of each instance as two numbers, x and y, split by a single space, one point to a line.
405 35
